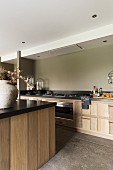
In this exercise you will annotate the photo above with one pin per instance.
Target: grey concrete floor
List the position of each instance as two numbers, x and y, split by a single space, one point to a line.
77 151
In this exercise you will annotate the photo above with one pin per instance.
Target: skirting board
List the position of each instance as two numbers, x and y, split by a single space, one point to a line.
102 135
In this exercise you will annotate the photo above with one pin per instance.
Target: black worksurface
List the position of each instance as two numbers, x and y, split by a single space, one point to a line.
73 98
24 106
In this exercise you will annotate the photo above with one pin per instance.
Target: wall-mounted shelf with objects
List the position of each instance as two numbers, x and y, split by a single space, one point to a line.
110 78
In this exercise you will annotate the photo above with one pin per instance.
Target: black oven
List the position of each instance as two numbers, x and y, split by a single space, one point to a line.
64 110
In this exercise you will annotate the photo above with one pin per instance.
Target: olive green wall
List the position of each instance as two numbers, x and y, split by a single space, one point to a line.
8 66
27 67
77 71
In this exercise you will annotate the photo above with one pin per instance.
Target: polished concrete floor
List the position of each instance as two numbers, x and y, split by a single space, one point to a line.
77 151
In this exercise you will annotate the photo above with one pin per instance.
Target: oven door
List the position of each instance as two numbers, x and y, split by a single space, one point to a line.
64 110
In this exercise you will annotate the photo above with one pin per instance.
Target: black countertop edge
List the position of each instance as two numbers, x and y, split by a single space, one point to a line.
102 99
34 92
24 106
72 98
57 97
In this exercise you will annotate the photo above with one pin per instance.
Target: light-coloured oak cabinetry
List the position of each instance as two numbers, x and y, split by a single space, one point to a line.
97 120
86 122
94 125
94 109
103 110
86 112
77 113
111 127
110 108
103 125
81 116
27 141
78 122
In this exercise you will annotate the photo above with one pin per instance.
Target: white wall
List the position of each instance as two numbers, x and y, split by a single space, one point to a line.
77 71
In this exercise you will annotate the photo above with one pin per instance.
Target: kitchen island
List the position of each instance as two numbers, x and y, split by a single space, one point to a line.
27 135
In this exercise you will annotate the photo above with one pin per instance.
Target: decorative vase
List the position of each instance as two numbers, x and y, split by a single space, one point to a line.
8 94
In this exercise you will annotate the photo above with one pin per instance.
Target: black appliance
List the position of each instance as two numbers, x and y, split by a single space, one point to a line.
64 110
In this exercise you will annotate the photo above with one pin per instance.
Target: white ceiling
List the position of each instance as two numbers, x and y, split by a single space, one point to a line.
52 26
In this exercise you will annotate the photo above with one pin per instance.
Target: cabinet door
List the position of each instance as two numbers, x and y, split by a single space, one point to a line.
110 112
103 110
94 124
111 128
78 122
103 125
86 123
94 108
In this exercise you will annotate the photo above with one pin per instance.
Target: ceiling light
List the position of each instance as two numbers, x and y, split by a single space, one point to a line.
105 41
94 16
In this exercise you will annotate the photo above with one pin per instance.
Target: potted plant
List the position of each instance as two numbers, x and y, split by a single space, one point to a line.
8 89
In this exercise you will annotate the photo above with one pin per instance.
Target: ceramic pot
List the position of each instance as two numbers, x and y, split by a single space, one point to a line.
8 94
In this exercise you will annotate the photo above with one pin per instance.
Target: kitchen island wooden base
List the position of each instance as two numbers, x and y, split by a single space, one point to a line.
27 140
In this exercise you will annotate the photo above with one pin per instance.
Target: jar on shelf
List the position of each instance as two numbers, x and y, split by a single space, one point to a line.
40 84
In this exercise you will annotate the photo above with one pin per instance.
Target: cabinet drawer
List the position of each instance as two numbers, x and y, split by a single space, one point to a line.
86 111
86 123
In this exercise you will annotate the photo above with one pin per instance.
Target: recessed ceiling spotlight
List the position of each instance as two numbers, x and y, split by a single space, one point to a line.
94 16
23 42
105 41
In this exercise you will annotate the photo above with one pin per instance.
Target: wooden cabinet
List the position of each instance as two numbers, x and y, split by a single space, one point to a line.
94 108
86 112
27 141
77 113
86 123
111 127
103 125
103 110
78 122
94 125
77 107
110 108
97 120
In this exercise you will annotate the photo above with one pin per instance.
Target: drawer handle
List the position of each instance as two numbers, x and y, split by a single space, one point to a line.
110 122
86 118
